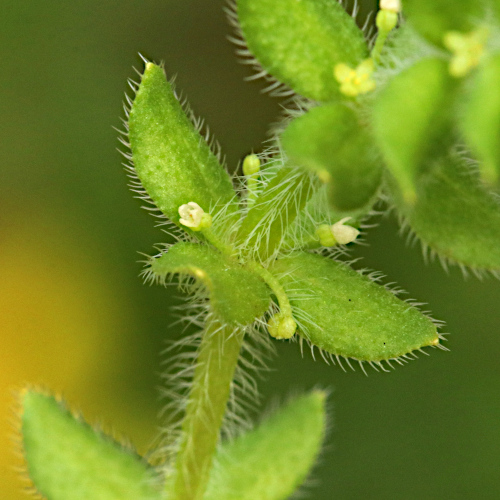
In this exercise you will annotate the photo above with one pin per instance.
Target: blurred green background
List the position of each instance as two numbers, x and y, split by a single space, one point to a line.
76 318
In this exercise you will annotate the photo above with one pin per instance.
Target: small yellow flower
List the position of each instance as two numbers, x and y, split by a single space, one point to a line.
467 49
354 82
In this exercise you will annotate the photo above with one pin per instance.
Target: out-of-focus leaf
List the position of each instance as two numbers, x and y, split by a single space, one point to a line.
433 18
480 120
349 315
68 460
454 215
271 461
300 42
237 295
411 120
331 141
173 162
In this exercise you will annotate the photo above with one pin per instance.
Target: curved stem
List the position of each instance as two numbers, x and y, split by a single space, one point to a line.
215 241
217 359
274 285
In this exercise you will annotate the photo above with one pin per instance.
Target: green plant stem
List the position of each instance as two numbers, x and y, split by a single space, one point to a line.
252 189
217 359
274 285
379 45
215 241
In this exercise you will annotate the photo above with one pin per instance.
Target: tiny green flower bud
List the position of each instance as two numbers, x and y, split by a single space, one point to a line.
386 20
337 234
281 326
325 235
251 165
194 217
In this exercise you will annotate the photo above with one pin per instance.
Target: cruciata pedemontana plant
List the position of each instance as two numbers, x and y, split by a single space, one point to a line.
408 117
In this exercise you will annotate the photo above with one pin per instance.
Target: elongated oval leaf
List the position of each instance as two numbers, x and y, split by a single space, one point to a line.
411 120
480 121
347 314
237 295
300 42
454 215
331 141
271 461
68 460
275 209
173 162
433 18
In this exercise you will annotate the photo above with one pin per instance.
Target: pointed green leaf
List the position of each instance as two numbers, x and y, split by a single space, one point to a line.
173 162
271 461
411 119
237 295
480 121
347 314
68 460
300 42
433 18
331 141
275 209
454 215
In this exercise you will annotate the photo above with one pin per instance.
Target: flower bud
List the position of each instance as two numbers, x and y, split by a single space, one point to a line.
281 326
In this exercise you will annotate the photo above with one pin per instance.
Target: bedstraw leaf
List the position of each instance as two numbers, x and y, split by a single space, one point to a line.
68 460
347 314
275 209
433 18
411 120
331 141
454 216
300 42
480 121
237 295
173 162
271 461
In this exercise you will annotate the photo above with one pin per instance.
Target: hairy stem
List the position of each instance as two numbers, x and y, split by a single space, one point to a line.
274 285
217 359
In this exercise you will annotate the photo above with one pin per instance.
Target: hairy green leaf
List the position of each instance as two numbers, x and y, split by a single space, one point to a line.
331 141
433 18
411 119
173 162
454 215
68 460
237 295
271 461
480 121
349 315
300 42
275 210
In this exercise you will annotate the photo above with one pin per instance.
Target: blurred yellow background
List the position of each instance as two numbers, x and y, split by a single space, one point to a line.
75 317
